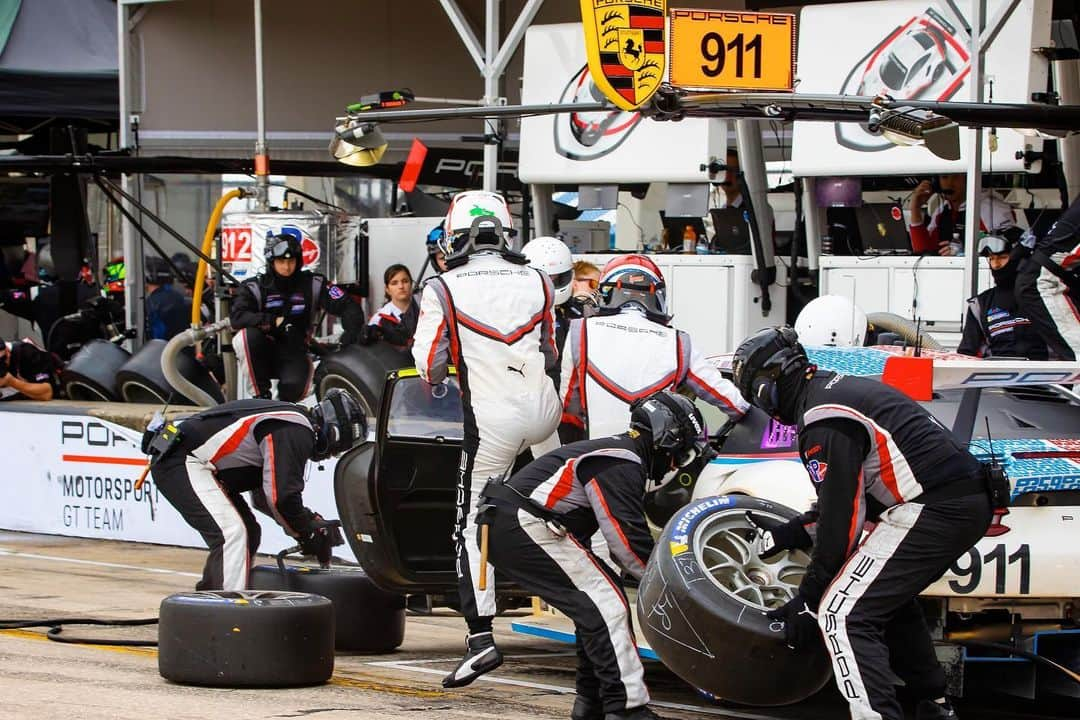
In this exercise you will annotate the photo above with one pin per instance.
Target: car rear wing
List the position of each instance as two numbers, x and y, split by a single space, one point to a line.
933 370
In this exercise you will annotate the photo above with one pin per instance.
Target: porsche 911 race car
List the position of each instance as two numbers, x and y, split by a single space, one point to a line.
702 601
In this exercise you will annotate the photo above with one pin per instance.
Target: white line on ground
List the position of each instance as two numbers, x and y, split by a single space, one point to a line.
411 666
76 561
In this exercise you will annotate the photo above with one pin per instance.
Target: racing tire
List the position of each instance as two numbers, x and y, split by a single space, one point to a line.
702 601
248 638
361 371
90 375
141 379
367 619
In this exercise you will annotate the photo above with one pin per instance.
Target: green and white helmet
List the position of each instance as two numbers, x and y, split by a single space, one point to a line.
477 220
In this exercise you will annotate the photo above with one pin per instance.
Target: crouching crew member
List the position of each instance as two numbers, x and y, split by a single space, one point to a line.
542 518
201 466
274 314
27 372
874 455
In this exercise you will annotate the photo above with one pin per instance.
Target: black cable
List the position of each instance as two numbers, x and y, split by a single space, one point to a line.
979 645
56 629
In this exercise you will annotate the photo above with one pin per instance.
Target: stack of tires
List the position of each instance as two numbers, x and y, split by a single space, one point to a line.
102 371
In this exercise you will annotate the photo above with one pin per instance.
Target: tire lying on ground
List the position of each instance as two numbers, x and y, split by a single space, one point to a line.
257 638
361 371
367 619
702 602
141 379
90 374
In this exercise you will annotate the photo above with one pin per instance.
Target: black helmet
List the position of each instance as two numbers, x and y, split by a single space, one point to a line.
158 271
763 361
676 430
339 424
283 246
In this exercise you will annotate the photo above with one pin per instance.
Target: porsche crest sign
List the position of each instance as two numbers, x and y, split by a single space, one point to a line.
624 40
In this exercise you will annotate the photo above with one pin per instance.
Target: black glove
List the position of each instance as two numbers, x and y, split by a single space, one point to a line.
774 536
325 535
800 623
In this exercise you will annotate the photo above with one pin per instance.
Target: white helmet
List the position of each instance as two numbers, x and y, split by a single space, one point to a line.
831 320
552 256
476 217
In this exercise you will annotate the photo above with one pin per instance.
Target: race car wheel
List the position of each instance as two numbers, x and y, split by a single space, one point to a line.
90 374
360 371
141 379
366 618
253 638
703 599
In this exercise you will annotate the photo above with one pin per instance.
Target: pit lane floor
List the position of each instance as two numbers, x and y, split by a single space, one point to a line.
49 576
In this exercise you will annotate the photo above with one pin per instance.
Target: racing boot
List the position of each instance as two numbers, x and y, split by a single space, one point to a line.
586 708
642 712
934 710
481 656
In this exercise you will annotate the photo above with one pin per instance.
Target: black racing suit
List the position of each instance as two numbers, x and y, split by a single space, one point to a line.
583 486
64 334
993 328
876 456
1048 286
267 348
261 446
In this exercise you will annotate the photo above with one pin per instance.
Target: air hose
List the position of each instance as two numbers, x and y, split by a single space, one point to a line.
56 628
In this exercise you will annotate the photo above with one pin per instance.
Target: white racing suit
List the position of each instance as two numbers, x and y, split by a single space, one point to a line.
612 360
494 320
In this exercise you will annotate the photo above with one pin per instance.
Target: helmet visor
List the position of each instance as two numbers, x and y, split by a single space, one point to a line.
993 245
283 249
562 279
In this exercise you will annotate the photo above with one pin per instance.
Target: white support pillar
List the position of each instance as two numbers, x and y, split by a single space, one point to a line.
130 242
1067 80
973 202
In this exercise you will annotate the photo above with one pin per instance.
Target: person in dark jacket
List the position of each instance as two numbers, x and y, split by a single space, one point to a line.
1048 285
541 520
274 314
395 322
993 325
168 313
873 455
27 372
203 464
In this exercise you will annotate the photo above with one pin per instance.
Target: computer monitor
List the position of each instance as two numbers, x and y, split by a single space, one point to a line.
731 231
838 192
686 199
676 226
882 230
586 236
598 197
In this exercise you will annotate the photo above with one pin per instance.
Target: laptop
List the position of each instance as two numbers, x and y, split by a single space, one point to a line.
731 233
882 229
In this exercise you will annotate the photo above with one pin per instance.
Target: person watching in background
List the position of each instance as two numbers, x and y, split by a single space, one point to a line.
395 322
937 218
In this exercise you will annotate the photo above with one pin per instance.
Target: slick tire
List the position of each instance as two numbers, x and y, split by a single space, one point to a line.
702 602
142 380
361 371
367 619
251 638
90 374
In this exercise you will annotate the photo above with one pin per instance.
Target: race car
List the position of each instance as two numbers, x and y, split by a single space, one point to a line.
701 603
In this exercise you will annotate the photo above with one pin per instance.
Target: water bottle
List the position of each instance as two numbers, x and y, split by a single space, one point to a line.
689 238
702 247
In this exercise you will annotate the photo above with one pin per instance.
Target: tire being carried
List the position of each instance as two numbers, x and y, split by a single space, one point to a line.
367 619
246 639
702 603
361 371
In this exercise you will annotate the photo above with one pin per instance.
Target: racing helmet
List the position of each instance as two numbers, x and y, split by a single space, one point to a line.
551 255
763 361
282 246
676 431
339 423
833 321
477 219
634 280
114 274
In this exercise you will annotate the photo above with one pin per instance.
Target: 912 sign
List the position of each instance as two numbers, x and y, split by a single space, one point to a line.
722 50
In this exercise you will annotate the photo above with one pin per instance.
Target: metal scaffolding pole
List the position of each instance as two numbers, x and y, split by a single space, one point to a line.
132 245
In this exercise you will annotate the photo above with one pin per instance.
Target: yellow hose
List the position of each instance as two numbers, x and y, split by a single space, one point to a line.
207 246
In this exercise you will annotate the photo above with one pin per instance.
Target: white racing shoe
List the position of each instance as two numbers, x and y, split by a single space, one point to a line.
481 656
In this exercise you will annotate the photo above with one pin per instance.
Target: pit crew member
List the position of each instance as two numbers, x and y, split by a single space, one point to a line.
873 455
492 316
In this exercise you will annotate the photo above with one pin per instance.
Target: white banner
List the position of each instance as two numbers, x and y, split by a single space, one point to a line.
912 49
600 147
75 475
243 240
